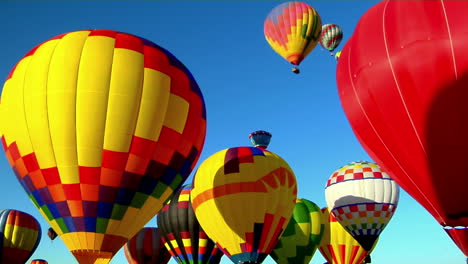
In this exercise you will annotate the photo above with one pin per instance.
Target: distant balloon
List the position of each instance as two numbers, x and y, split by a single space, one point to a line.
243 198
330 37
293 29
146 247
100 128
21 234
302 236
38 261
182 234
260 139
410 114
337 55
51 233
337 245
363 198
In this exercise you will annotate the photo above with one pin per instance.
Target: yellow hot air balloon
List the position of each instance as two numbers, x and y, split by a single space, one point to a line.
100 128
337 245
293 30
243 198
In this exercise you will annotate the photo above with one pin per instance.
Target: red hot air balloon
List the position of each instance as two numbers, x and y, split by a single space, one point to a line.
146 247
20 236
408 111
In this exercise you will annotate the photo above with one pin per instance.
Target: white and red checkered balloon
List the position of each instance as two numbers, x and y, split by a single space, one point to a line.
363 199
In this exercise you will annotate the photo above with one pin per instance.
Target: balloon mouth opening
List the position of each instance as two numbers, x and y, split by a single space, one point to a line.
295 59
455 227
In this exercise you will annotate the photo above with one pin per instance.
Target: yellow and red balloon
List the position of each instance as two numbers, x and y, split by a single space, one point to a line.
100 128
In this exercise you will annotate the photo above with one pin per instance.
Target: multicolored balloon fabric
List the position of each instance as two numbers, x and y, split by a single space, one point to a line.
293 29
409 114
38 261
182 234
302 236
330 37
146 247
337 245
363 198
100 128
21 234
243 198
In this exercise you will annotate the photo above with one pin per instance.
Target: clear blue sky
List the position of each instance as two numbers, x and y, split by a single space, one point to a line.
246 87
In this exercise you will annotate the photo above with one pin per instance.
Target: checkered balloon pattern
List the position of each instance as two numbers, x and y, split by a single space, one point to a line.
363 198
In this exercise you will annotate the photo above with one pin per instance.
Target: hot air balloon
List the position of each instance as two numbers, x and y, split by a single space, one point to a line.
51 233
182 234
21 234
38 261
363 198
146 247
260 138
409 114
337 55
337 245
243 198
100 128
330 37
293 29
302 236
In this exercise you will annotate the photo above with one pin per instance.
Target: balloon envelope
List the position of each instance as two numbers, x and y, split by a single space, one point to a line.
38 261
409 114
146 247
243 198
21 234
302 236
260 139
292 29
331 36
363 199
100 127
182 234
337 245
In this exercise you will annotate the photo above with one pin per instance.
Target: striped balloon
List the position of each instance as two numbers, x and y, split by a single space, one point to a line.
337 245
302 236
100 128
146 247
363 198
293 29
331 36
20 236
182 234
38 261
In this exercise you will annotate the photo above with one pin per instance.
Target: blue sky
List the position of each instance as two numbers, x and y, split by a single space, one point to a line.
246 87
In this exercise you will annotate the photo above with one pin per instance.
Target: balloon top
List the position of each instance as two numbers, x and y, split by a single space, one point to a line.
260 139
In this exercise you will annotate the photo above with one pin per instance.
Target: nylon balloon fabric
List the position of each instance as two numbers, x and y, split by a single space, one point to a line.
302 236
408 111
38 261
243 198
146 247
100 127
21 234
293 29
182 234
363 199
337 245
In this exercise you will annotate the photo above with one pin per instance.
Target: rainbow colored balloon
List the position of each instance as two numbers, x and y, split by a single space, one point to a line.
100 128
146 247
20 236
293 29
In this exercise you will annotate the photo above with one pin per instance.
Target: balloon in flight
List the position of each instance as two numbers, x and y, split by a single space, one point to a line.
409 114
146 247
243 198
21 234
100 127
292 29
